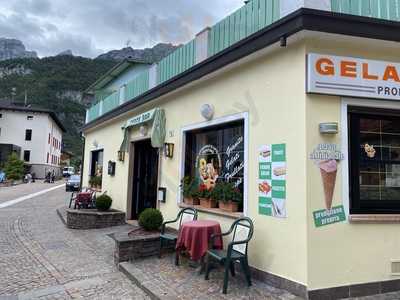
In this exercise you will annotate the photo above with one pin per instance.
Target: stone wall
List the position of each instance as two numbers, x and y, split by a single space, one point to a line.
92 218
137 245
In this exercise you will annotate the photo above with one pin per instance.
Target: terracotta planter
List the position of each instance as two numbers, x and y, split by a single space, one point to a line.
208 203
191 201
229 206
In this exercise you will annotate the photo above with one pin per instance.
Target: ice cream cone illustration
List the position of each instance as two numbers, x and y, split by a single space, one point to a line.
328 170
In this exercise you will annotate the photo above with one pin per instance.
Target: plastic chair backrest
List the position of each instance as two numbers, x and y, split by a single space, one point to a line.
242 231
187 215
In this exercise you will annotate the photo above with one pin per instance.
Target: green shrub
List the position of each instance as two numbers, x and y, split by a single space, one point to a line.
103 202
151 219
189 187
95 181
14 167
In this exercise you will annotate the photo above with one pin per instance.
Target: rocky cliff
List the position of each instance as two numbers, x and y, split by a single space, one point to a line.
12 48
149 55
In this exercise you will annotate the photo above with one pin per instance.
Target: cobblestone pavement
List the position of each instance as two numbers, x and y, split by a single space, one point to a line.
166 281
14 192
41 259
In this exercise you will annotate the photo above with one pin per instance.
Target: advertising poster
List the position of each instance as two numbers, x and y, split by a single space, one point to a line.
326 157
272 180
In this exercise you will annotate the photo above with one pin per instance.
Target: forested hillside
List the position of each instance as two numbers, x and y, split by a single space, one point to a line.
54 83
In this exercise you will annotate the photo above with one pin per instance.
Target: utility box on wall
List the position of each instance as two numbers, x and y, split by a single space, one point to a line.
111 168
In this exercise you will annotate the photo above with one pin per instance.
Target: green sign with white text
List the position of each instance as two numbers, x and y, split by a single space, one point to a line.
272 180
325 217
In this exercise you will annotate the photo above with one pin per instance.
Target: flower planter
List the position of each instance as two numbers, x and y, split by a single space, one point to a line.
229 206
191 201
208 203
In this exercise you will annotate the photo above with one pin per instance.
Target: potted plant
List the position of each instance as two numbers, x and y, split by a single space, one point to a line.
204 195
189 191
228 196
103 202
151 219
95 182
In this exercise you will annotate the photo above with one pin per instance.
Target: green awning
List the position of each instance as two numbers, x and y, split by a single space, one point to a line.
158 131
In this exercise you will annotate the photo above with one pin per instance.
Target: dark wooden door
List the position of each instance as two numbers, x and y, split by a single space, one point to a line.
145 178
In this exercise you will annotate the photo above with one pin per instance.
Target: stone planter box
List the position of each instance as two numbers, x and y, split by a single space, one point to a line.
93 219
129 247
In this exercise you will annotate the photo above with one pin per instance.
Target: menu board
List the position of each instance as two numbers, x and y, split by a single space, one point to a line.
272 180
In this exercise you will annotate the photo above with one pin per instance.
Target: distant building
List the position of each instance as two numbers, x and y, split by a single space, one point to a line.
34 134
65 158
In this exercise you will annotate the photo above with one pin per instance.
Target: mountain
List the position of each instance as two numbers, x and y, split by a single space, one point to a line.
150 55
12 48
66 52
54 83
58 82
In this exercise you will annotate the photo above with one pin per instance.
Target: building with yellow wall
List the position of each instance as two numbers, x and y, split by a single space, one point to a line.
311 93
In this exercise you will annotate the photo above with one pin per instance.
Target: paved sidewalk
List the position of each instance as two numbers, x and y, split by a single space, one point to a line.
163 280
41 259
13 192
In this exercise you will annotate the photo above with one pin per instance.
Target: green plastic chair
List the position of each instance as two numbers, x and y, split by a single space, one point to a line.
242 230
185 215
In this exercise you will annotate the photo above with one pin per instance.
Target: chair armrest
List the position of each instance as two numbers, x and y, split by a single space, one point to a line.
215 235
165 223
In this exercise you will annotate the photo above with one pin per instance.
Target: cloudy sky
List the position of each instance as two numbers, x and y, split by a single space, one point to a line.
91 27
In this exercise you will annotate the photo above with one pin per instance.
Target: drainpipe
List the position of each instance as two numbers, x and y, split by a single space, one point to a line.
83 160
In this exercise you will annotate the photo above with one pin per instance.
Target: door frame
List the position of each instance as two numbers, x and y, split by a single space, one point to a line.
131 166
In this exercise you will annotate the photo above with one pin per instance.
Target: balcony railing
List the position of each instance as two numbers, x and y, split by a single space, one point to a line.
252 17
382 9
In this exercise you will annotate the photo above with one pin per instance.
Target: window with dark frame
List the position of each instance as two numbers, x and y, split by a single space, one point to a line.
374 161
28 134
27 155
218 148
29 118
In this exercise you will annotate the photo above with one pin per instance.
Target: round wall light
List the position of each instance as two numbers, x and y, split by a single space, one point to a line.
207 111
143 130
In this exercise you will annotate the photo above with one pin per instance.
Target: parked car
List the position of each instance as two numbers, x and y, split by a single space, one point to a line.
73 183
68 171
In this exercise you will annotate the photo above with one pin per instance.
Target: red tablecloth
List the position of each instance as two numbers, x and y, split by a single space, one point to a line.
194 237
84 197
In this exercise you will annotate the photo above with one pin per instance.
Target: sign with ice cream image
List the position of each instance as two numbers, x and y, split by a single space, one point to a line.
272 180
326 158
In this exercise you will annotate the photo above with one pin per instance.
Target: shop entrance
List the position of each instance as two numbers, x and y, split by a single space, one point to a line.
145 178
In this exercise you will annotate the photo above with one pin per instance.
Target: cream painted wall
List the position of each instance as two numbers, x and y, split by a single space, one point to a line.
271 88
13 125
344 253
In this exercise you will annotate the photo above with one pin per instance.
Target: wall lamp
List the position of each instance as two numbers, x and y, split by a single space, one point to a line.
169 150
121 155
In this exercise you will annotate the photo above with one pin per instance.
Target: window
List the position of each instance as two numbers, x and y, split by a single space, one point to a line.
216 154
374 160
27 155
28 135
1 115
47 159
29 118
49 139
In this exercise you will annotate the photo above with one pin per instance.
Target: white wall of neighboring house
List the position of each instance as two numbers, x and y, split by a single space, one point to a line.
13 126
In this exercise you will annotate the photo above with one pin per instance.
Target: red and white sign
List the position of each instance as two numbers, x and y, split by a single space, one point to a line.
349 76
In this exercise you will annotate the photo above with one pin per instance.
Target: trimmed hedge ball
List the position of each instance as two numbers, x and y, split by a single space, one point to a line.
151 219
103 202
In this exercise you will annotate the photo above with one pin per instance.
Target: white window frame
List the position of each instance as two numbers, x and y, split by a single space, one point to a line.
219 121
345 103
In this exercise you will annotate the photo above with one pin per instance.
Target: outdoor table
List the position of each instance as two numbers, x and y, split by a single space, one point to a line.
84 198
194 237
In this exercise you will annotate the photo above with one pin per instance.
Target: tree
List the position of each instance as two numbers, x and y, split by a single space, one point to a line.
14 167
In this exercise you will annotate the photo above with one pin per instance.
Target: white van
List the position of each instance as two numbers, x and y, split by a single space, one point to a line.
68 171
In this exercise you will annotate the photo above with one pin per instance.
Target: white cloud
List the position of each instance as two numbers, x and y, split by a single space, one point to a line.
88 27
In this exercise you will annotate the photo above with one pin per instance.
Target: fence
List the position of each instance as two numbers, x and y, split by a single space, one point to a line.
382 9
